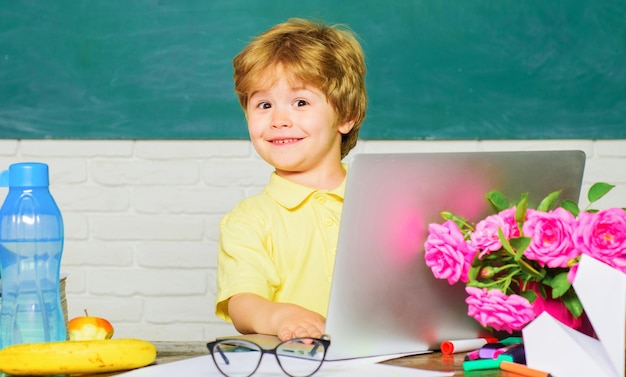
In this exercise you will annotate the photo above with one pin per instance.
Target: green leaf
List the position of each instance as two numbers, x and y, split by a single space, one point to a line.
477 284
547 280
505 243
473 273
447 215
462 223
549 202
571 206
560 285
573 303
520 245
598 190
520 211
497 200
529 295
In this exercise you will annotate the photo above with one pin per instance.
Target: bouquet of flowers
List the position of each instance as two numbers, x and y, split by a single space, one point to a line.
521 261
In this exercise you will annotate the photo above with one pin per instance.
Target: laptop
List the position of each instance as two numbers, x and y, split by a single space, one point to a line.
384 300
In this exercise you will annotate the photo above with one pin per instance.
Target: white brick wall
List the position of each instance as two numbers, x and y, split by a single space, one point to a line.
141 218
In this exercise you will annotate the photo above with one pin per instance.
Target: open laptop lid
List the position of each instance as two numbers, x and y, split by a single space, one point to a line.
384 299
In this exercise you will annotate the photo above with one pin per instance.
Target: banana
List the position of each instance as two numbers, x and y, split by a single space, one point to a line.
76 357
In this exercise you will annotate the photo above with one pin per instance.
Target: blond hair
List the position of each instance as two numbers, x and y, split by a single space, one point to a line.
327 57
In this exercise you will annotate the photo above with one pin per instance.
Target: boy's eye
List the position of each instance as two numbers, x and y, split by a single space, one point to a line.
264 105
300 103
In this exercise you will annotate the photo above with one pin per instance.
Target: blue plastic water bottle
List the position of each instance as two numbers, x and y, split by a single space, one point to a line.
31 245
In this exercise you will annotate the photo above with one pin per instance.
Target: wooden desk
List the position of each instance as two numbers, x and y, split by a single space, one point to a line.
447 363
172 351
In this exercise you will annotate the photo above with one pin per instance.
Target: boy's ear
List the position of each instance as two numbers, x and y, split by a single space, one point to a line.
345 126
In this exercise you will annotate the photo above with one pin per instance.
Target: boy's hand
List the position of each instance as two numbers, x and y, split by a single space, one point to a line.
252 314
294 321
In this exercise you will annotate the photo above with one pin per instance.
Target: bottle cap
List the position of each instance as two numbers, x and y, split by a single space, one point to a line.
25 174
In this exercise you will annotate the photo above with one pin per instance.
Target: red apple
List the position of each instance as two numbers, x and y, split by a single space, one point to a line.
89 328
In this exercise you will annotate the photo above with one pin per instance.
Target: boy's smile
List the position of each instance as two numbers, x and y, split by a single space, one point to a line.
284 141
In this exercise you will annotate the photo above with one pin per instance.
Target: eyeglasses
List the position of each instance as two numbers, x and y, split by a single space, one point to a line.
300 357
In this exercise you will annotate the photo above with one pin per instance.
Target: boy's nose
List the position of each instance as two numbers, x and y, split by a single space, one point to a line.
280 119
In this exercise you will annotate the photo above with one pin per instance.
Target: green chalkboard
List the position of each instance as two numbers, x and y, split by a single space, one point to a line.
437 69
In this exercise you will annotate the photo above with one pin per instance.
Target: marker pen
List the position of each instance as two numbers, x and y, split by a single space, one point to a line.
516 354
505 350
493 350
472 355
522 370
487 351
511 340
449 347
481 364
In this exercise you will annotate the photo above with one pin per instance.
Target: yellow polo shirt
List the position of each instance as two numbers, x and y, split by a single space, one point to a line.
280 245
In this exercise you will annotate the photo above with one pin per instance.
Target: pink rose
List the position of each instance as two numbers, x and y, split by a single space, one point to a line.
446 252
508 215
485 237
602 235
492 308
551 237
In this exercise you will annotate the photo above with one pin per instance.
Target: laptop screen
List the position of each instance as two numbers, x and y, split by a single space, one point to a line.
384 299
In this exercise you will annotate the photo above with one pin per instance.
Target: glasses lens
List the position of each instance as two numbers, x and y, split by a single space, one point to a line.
301 357
236 358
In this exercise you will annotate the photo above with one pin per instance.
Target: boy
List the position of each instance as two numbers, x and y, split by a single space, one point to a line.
301 86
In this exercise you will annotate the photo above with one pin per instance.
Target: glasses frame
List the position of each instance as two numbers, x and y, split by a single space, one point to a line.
324 340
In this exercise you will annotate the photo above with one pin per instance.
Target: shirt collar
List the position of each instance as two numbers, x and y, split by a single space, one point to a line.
290 194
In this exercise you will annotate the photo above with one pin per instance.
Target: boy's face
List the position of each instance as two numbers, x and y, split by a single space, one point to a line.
294 128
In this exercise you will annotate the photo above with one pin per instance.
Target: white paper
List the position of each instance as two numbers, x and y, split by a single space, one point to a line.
602 290
203 366
563 352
